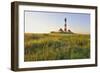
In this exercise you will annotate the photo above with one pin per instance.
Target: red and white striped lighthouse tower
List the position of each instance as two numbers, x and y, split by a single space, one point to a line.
65 26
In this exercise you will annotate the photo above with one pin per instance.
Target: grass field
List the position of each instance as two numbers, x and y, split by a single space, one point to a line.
51 46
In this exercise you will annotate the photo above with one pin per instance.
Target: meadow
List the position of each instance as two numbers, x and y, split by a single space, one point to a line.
56 46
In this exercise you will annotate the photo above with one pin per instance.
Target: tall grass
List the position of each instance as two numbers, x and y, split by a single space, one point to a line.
40 47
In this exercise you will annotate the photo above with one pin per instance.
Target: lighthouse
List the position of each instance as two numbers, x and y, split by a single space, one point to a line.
66 30
65 26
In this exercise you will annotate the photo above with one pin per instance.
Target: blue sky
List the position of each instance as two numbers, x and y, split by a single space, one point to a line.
45 22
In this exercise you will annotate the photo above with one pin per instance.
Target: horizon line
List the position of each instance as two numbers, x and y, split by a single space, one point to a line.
50 32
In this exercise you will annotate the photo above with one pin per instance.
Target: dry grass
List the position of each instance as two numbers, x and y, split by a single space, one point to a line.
40 47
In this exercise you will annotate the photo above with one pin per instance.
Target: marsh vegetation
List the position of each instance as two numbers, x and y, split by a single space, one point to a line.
55 46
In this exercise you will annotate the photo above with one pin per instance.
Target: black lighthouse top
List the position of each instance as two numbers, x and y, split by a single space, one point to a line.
65 20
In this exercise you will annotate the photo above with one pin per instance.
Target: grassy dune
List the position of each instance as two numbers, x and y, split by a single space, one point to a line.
52 46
